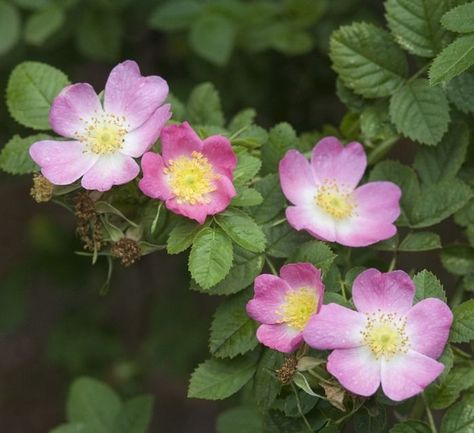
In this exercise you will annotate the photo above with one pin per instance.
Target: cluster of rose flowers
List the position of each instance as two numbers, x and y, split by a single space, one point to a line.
387 341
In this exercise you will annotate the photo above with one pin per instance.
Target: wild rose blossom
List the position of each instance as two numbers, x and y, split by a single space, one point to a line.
327 203
193 176
103 139
285 304
387 341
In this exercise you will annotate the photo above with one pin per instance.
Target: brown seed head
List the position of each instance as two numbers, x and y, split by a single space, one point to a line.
42 189
127 250
286 372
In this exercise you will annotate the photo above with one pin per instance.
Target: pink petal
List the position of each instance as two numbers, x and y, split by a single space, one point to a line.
310 218
129 94
408 374
110 170
154 184
392 292
270 292
280 337
356 369
219 200
428 324
140 140
73 103
179 140
334 327
304 275
62 162
343 164
218 151
296 178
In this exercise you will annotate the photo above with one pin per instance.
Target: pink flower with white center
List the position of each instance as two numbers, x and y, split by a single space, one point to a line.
327 203
193 176
103 138
285 304
388 341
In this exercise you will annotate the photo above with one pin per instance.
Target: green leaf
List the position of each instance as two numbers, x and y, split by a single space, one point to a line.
460 92
410 427
315 252
99 34
253 137
459 418
31 88
70 428
420 241
462 330
266 386
349 98
416 24
182 236
43 24
367 60
434 164
10 25
135 416
204 106
93 403
239 420
454 59
232 330
175 15
428 286
212 37
217 379
242 229
367 423
420 112
211 257
458 259
460 19
247 168
273 199
405 178
247 197
281 138
282 239
15 158
439 202
243 119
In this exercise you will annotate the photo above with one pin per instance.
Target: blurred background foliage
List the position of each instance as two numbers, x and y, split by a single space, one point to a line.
150 331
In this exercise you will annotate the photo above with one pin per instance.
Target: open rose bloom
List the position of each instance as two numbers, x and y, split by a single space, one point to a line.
103 139
327 202
388 341
285 304
193 176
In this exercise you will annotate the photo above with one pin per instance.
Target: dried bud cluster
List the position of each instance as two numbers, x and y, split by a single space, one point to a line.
42 189
127 250
286 372
89 228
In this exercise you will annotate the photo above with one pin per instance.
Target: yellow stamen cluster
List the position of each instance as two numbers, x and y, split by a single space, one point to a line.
103 134
334 201
298 307
385 334
191 179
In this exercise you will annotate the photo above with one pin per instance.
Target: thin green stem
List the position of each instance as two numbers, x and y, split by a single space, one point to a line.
393 263
429 414
271 266
278 222
343 289
418 73
300 410
461 352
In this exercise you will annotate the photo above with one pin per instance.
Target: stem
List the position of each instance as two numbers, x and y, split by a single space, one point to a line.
278 222
429 414
155 220
418 73
393 263
381 150
343 289
460 352
271 266
300 410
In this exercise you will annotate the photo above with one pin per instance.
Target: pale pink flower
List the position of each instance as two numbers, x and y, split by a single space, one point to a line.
193 176
103 138
388 341
285 304
327 202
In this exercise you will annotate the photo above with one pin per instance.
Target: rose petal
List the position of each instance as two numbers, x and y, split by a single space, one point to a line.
304 275
179 140
218 151
154 184
280 337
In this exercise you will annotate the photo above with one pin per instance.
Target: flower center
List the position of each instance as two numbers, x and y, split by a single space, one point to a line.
334 201
104 134
191 179
385 334
298 307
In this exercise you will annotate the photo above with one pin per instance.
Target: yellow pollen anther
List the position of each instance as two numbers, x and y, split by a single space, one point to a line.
103 134
191 179
334 201
385 334
298 307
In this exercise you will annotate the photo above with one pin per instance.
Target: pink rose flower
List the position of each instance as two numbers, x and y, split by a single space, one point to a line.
326 201
285 304
193 176
103 138
387 341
